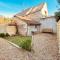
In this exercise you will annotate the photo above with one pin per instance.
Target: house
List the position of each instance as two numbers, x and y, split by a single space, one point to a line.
27 21
35 19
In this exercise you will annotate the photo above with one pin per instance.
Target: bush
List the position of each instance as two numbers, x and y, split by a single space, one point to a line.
26 44
7 34
2 35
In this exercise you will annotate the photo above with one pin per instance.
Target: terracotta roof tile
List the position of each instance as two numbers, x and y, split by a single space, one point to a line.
31 10
30 22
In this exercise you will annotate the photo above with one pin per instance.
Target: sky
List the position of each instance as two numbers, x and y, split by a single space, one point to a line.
10 7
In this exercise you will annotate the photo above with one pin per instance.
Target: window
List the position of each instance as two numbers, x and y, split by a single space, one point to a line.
35 26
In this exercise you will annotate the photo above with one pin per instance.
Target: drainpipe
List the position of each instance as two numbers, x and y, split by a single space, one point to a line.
27 30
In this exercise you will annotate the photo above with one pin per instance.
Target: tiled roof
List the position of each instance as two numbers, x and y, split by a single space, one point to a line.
12 24
23 13
31 10
29 22
48 17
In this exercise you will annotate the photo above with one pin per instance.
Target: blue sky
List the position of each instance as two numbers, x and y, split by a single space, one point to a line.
10 7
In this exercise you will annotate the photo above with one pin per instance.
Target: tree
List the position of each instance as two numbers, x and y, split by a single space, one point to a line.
57 14
58 2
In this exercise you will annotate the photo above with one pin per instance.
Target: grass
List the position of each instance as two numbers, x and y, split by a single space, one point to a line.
22 41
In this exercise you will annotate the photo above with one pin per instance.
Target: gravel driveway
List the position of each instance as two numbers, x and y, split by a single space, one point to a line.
10 52
44 47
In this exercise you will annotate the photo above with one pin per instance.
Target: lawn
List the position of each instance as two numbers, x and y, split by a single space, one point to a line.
17 39
26 41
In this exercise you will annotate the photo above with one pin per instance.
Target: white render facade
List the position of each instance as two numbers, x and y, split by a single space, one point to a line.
49 23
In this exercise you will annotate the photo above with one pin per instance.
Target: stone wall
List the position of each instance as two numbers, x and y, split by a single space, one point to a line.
3 28
58 34
11 30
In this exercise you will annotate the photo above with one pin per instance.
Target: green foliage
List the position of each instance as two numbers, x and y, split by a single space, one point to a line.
7 34
26 44
4 35
57 15
22 41
58 1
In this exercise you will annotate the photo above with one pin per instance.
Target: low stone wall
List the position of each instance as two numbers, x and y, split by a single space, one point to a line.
3 28
11 30
58 33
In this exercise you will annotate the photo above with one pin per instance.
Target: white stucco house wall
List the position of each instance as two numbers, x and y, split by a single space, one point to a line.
49 23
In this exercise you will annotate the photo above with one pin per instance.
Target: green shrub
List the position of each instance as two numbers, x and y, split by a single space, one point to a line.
7 34
26 44
2 35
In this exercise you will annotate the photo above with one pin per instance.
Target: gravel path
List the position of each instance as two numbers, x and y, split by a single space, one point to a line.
44 48
10 52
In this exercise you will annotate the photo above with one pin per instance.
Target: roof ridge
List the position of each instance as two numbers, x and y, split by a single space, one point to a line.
30 10
35 7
